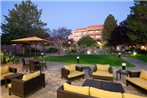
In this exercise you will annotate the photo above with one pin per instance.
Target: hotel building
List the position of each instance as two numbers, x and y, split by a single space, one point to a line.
94 31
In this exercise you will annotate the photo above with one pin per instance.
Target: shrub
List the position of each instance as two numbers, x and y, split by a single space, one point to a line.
52 50
8 57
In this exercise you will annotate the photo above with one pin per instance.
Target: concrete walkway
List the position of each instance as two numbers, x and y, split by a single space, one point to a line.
138 63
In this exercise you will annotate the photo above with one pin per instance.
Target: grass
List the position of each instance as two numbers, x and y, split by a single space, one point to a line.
142 57
89 59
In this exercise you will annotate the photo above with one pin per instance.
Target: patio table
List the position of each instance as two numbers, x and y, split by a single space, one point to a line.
109 86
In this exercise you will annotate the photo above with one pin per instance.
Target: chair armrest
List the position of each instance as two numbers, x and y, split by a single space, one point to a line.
17 86
135 74
61 93
79 68
64 72
111 70
12 69
94 69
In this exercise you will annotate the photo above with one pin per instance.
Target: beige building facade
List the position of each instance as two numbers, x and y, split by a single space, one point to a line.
94 31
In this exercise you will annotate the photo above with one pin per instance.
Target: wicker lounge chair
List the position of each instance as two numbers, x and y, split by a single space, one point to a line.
71 72
104 72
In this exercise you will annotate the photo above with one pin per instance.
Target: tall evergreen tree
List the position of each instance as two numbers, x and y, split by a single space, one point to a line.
23 21
137 23
109 25
119 35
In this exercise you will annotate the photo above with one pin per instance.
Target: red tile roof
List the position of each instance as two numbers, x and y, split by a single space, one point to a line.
93 27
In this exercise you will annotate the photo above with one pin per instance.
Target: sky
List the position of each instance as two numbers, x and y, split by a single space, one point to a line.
76 13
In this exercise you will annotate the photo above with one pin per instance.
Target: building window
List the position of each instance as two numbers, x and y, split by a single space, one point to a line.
97 36
92 36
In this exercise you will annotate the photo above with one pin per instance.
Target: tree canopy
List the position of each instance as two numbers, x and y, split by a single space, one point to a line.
86 41
109 25
59 38
119 35
137 23
22 21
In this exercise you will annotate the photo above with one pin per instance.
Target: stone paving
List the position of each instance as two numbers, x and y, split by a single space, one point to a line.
54 81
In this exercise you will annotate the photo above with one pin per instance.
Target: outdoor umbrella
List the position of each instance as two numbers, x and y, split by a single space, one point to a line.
33 40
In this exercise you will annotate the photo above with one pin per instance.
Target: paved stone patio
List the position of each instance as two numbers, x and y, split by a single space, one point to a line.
54 81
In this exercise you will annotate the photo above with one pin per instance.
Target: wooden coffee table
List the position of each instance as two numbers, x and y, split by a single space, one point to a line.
12 76
109 86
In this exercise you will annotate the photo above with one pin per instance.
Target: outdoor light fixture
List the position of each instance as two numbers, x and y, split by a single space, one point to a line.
78 59
119 54
123 66
134 53
69 46
69 43
42 54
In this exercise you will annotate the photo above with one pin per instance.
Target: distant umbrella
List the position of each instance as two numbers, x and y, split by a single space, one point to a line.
34 40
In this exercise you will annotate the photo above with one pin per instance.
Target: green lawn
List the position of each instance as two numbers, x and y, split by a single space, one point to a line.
89 59
142 57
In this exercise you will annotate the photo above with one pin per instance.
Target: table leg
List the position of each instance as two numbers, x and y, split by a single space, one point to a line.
6 83
120 75
117 76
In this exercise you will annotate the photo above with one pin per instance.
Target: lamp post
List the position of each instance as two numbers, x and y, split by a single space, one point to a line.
42 54
123 66
119 54
78 59
69 46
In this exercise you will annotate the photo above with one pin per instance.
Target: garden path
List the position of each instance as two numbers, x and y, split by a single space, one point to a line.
138 63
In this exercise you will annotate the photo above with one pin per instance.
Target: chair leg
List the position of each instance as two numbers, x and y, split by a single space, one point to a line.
9 92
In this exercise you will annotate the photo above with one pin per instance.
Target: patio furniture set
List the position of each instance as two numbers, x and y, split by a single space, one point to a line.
21 84
71 72
24 84
97 88
33 65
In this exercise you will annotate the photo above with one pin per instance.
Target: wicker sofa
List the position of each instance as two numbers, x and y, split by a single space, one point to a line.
5 70
102 72
71 72
26 85
71 91
138 79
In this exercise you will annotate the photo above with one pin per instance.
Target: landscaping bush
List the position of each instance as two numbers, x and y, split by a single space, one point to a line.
52 50
8 57
109 50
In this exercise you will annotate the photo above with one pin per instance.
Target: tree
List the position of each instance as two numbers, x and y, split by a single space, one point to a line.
109 25
23 21
137 23
59 38
86 41
119 35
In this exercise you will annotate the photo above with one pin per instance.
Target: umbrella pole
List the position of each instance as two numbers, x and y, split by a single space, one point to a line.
35 50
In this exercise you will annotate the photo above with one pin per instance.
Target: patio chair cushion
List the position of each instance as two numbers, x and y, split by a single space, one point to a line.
138 81
35 74
30 76
143 74
70 67
4 69
9 85
127 95
99 93
101 67
76 89
102 73
2 77
75 74
26 77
